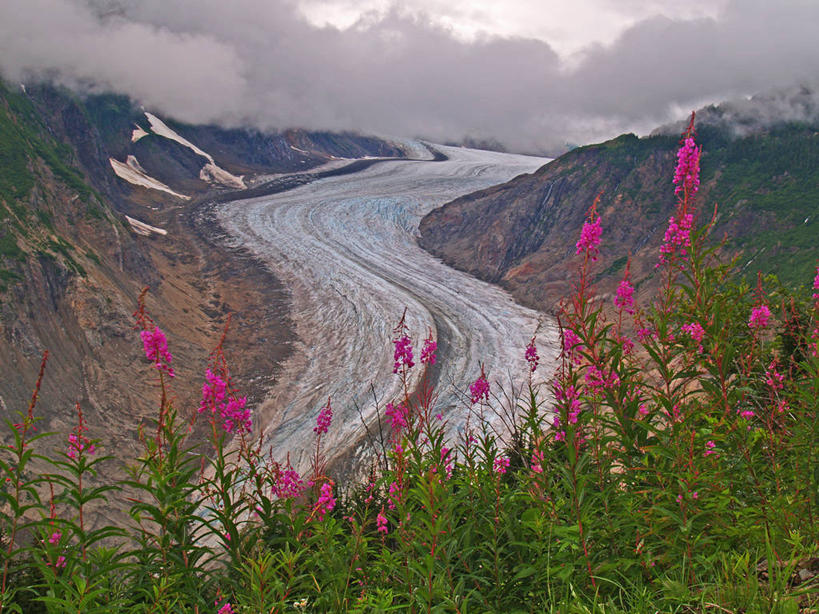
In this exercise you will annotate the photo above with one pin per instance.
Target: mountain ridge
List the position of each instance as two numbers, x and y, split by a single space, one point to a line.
521 235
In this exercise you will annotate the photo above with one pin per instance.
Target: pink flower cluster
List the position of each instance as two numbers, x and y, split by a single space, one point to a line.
55 537
324 419
446 458
501 464
625 296
531 355
816 285
760 317
536 463
687 173
79 443
746 413
326 502
233 413
677 235
479 389
572 345
381 522
572 397
590 234
709 449
289 484
393 495
398 415
597 380
428 351
403 354
226 608
156 349
774 378
696 331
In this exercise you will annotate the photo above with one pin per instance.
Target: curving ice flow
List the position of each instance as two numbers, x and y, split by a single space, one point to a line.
346 248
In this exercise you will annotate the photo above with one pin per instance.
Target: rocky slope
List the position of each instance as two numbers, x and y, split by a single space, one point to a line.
81 236
522 234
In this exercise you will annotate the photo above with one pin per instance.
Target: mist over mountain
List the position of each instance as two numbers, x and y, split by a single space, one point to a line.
751 114
261 63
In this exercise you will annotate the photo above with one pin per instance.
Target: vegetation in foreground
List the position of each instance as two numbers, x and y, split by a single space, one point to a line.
669 466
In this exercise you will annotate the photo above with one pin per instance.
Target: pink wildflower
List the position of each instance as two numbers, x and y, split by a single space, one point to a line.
446 457
480 389
560 435
677 236
816 285
642 409
60 561
79 444
644 334
156 349
326 502
428 351
746 413
403 354
236 417
590 234
289 484
391 497
571 395
226 608
531 355
501 464
324 419
760 317
233 413
625 296
774 378
536 463
55 537
597 380
687 173
398 416
572 345
709 449
697 333
213 392
381 522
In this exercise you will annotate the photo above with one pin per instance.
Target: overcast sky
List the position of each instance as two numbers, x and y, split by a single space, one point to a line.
533 74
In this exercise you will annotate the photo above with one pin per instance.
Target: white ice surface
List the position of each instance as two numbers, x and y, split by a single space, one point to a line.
346 248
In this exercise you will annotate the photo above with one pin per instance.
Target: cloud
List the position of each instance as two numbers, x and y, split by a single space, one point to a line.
262 63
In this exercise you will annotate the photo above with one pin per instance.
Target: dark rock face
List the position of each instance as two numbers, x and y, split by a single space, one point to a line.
522 234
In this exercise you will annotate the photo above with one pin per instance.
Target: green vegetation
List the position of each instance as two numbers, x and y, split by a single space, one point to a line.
667 464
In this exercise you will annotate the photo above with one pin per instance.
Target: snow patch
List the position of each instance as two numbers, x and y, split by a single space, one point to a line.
211 172
214 174
304 151
141 228
137 134
132 172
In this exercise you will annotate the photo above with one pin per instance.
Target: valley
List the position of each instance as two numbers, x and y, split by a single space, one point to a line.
346 249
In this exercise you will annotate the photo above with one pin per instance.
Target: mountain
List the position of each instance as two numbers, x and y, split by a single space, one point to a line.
98 199
764 179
